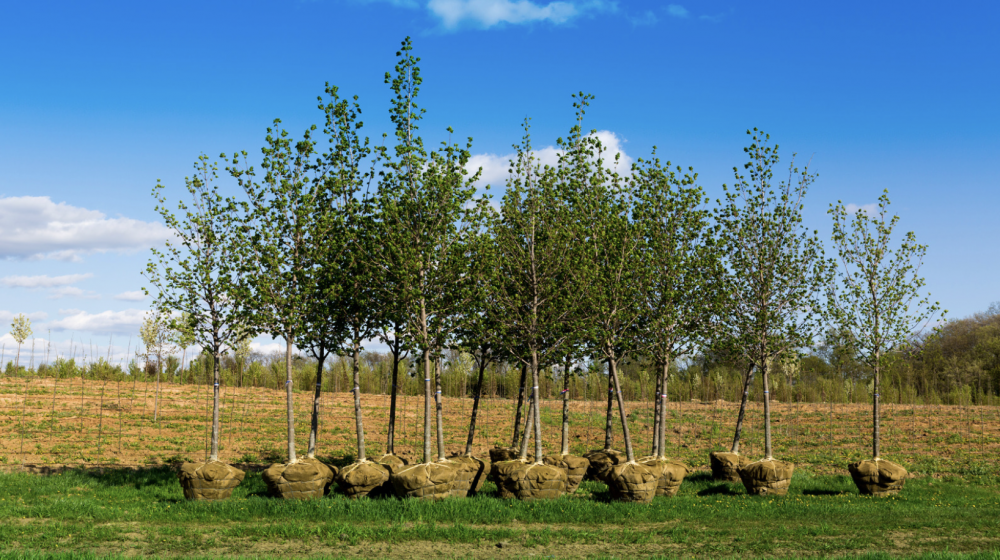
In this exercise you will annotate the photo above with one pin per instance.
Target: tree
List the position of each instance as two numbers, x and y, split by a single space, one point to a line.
680 266
608 244
201 271
425 214
157 337
877 303
20 330
528 286
338 305
286 218
776 272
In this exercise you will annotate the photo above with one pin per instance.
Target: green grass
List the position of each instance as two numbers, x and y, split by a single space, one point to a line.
144 513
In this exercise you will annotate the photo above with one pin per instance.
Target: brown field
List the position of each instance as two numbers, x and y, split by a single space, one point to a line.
48 421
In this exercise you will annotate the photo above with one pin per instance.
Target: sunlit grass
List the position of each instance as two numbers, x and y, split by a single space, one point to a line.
144 512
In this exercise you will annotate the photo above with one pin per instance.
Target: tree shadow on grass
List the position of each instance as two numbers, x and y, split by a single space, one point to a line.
819 492
721 489
161 476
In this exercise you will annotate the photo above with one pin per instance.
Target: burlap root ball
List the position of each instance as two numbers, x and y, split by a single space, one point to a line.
474 470
501 473
767 477
210 481
535 481
632 482
392 463
726 465
878 477
670 474
302 480
575 467
601 461
358 479
430 481
498 454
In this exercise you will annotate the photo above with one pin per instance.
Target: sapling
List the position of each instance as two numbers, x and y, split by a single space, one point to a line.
776 272
878 306
200 274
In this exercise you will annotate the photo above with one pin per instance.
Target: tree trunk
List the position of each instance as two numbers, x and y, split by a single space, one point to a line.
427 405
214 455
528 424
661 442
520 403
657 411
475 406
314 422
359 422
875 411
437 405
536 400
747 380
156 392
613 366
767 415
608 426
390 446
289 399
564 449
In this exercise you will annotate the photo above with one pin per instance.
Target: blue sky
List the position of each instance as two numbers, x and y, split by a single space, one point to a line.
99 100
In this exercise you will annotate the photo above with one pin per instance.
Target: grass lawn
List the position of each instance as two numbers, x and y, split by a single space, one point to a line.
131 513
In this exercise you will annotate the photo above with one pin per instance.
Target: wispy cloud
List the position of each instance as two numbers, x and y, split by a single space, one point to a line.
647 18
43 281
487 13
71 291
34 227
7 316
676 10
115 322
137 295
496 167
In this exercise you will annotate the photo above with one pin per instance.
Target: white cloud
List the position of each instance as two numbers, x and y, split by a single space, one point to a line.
7 316
137 295
487 13
34 227
114 322
270 348
43 281
496 167
71 291
677 10
869 209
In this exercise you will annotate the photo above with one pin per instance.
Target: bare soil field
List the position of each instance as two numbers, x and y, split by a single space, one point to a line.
45 421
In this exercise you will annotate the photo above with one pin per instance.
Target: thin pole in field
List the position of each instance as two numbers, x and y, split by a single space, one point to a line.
100 422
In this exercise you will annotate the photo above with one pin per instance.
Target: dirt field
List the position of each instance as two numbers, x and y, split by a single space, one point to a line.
45 421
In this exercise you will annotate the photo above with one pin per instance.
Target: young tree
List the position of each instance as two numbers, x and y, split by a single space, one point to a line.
528 290
157 337
335 308
20 330
290 214
679 265
285 217
777 272
877 303
607 276
200 273
425 214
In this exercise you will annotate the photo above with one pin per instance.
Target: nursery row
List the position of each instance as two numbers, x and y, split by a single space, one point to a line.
580 261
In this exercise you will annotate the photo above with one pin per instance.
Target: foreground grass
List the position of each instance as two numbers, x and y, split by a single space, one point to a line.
144 513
